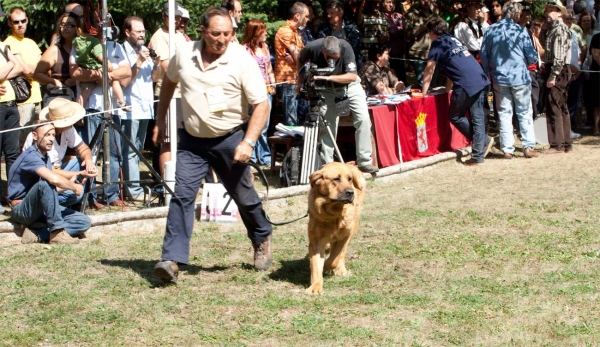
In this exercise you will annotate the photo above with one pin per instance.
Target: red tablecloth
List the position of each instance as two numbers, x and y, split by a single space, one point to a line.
414 129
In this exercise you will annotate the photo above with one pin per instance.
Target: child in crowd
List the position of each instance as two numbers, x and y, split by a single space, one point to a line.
89 55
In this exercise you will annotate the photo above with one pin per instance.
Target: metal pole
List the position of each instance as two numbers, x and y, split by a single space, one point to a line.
169 168
106 116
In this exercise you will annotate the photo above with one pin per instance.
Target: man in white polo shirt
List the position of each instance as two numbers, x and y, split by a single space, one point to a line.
218 80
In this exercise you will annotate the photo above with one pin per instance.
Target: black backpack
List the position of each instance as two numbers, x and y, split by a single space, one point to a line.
291 167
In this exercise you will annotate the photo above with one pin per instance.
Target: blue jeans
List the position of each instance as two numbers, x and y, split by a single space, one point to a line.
419 67
194 155
41 212
9 143
262 152
474 129
68 197
289 103
135 130
518 97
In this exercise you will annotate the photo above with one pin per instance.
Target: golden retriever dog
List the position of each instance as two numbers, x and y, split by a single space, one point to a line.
335 198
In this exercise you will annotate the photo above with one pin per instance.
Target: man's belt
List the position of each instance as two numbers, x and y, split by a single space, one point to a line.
10 103
14 203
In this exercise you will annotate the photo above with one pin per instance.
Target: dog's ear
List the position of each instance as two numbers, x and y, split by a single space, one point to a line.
315 176
358 178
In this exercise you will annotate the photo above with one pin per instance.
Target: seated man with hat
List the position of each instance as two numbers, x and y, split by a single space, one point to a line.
32 192
63 114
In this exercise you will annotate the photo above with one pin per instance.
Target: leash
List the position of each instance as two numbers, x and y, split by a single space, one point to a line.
263 178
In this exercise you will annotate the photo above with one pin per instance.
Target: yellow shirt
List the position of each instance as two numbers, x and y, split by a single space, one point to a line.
30 54
231 82
10 92
160 44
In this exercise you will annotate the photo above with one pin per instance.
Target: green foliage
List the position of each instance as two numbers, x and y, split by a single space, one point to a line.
42 14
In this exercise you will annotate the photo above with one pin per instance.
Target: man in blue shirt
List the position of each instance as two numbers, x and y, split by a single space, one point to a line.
506 53
32 194
469 81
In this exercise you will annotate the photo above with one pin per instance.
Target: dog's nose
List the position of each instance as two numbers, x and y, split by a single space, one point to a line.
349 195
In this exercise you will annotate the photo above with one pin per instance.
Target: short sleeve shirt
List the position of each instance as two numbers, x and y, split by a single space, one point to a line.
312 52
286 36
371 74
87 50
23 175
160 44
30 54
68 139
458 64
230 84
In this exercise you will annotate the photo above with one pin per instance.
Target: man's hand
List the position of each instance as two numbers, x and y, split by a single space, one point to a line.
90 169
143 55
159 133
551 82
243 153
288 58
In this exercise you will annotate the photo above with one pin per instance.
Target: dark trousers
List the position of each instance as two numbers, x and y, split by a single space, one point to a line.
194 155
535 92
9 143
558 120
573 98
473 129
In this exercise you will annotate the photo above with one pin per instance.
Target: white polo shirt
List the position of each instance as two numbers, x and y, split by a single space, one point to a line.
68 139
235 75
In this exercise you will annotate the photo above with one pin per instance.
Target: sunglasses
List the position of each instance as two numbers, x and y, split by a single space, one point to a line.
22 21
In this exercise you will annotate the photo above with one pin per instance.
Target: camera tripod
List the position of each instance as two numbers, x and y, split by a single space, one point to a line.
107 124
310 153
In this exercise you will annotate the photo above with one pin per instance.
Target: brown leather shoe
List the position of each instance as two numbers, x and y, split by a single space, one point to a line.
60 237
507 156
28 237
569 150
167 271
530 153
471 162
95 205
552 151
118 203
263 255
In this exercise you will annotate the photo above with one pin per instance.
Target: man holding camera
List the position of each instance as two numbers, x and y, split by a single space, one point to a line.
341 90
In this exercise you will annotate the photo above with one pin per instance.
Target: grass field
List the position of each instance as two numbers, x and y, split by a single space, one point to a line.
505 254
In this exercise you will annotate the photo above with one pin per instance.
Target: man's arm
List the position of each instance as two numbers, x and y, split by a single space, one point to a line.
258 120
346 78
59 181
167 90
427 75
28 69
11 69
85 154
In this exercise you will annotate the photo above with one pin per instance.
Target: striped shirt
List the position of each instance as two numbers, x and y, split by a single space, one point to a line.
557 42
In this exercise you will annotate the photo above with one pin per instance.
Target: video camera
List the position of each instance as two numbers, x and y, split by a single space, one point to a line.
310 85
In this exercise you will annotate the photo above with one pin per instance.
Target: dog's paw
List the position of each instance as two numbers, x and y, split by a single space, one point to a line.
315 288
340 271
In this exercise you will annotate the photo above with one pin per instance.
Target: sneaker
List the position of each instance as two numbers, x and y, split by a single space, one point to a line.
575 135
488 146
60 236
28 237
369 168
167 271
263 255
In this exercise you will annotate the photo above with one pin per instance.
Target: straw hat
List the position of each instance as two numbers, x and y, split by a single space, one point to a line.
62 112
558 4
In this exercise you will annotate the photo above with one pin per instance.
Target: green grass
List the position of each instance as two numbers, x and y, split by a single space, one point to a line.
487 262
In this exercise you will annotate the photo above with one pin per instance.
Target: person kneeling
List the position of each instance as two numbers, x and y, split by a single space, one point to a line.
32 191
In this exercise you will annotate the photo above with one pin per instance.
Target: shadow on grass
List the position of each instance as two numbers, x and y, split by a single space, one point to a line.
294 271
145 268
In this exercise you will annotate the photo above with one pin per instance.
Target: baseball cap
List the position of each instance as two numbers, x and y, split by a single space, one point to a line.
485 9
178 8
185 13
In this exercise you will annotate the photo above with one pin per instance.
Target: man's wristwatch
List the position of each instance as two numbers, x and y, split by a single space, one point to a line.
250 142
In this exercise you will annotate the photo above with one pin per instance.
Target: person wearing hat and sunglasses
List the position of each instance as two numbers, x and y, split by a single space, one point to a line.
64 114
33 194
556 40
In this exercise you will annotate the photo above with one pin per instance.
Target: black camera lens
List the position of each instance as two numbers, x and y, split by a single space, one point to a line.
153 54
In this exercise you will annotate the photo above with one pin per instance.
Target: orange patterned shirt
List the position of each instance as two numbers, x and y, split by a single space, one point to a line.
286 36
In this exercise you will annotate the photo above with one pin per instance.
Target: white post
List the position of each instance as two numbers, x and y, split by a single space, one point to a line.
169 168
